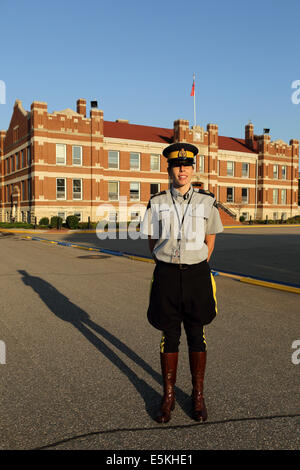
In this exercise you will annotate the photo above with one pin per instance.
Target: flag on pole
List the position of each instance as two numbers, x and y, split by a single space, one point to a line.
193 87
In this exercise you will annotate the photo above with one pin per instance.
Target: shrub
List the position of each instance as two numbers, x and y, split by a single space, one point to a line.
44 221
72 222
242 218
56 222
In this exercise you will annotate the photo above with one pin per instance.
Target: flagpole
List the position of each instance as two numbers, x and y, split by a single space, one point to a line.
194 102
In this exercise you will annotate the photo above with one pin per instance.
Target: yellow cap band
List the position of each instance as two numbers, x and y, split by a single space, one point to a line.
177 154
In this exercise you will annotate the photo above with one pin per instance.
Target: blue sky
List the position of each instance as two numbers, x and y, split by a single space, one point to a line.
137 58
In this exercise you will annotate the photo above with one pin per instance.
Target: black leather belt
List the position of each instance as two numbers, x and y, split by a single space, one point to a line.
180 266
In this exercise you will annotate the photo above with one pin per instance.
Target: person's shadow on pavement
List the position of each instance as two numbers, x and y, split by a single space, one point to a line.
66 310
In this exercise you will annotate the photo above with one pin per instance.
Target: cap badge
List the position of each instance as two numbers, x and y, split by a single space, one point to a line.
182 153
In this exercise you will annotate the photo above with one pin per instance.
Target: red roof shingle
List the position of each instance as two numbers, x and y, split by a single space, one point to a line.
124 130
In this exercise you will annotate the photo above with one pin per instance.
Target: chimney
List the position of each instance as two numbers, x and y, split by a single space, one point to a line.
81 107
249 128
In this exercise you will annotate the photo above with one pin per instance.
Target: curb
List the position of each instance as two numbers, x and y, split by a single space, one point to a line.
247 279
94 231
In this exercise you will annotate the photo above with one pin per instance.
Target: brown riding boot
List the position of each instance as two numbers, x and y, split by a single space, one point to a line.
168 363
197 366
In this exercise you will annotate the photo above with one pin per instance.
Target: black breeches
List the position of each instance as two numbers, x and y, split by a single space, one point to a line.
195 338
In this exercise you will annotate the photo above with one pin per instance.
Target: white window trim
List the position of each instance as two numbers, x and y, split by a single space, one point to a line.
284 191
139 167
77 198
248 167
232 168
108 167
158 158
65 154
245 201
61 198
118 183
275 175
230 202
77 164
64 217
139 185
274 192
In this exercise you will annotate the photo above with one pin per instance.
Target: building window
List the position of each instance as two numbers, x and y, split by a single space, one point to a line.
18 161
29 189
79 215
12 166
134 191
275 171
134 161
283 172
245 195
201 163
23 159
230 169
77 155
77 189
7 165
135 216
62 215
154 188
29 156
246 215
155 163
113 160
113 190
23 190
275 196
60 188
275 215
245 170
283 196
230 195
60 154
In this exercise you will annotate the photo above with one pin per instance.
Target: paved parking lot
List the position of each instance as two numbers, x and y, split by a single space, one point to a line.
82 364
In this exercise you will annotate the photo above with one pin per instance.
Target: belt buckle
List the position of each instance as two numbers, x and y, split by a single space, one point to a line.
182 267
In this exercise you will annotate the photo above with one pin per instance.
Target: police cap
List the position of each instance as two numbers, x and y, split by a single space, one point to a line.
180 153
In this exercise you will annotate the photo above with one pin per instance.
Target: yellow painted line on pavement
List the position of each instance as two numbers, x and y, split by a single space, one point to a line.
295 290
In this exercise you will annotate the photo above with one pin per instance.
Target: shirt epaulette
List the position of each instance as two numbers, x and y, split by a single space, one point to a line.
158 194
204 191
154 195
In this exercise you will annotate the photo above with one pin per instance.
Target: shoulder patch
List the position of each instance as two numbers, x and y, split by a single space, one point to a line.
204 191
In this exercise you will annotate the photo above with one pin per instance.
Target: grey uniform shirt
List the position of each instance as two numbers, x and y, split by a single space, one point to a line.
180 223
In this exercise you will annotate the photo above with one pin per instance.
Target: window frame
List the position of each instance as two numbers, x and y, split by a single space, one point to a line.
230 187
139 191
228 174
77 164
77 198
139 160
65 155
61 198
118 193
158 161
118 154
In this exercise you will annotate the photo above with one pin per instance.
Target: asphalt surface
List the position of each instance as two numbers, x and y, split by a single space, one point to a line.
82 363
267 252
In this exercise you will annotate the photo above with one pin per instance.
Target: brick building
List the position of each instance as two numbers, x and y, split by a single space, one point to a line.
65 163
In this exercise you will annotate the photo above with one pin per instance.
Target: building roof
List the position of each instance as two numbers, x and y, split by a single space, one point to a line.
125 130
235 145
